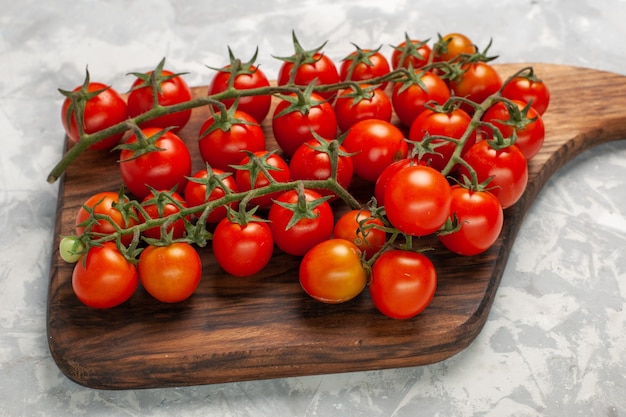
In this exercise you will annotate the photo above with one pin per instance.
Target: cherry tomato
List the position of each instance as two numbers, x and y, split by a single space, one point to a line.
315 221
162 169
375 144
202 188
479 81
104 278
452 124
480 215
174 90
360 228
507 166
248 78
170 273
417 200
363 65
221 144
158 205
319 68
351 108
332 272
408 99
242 250
413 52
106 204
403 283
312 161
455 44
103 110
294 128
278 170
529 138
528 90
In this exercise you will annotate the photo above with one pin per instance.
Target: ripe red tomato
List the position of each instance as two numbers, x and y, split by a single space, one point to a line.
332 272
106 204
453 125
103 110
360 228
528 90
408 99
375 144
104 278
170 273
455 44
417 200
247 78
312 161
479 81
403 283
174 90
411 51
318 67
294 128
314 223
158 205
279 171
529 138
351 108
222 142
363 65
162 169
202 188
242 249
507 166
480 215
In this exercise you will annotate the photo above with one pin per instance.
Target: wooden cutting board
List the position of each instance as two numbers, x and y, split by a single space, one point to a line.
235 329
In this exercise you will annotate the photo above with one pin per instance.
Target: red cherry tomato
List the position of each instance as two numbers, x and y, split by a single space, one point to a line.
481 217
202 188
332 272
417 200
104 278
375 145
529 138
351 108
222 145
528 90
161 169
408 99
364 65
174 90
158 205
170 273
242 250
479 81
320 68
453 125
278 170
294 128
105 205
103 110
413 52
403 283
249 78
360 228
507 166
316 226
312 161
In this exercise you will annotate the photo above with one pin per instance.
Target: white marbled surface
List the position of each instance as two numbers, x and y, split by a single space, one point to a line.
555 341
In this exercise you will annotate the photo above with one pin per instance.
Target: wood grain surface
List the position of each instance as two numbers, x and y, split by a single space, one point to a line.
265 326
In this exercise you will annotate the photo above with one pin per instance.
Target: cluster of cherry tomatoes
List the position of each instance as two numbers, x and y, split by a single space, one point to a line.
449 163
